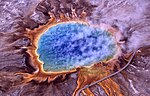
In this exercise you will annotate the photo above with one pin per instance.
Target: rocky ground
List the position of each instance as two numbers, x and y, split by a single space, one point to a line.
131 17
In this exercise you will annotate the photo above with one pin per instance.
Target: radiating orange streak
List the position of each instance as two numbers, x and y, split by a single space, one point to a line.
111 88
86 76
87 92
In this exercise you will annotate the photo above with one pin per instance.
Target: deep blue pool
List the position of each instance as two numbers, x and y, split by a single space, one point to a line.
68 45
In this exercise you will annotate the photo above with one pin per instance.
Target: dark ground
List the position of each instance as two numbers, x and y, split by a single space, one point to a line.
132 17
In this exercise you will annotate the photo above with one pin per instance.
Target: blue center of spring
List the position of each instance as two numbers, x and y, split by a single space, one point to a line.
68 45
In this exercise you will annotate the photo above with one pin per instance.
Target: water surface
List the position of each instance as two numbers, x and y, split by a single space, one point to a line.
68 45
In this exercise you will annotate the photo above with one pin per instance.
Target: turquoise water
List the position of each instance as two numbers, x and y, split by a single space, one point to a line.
68 45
